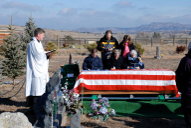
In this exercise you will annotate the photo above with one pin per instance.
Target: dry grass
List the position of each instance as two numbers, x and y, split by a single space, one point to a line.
169 60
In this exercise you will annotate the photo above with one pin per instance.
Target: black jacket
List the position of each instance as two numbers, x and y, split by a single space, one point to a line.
104 45
91 63
183 75
122 47
118 64
183 80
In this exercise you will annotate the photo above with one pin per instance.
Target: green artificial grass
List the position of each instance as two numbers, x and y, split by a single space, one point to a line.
152 108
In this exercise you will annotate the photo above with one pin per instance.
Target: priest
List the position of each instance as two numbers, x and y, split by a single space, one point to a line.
37 69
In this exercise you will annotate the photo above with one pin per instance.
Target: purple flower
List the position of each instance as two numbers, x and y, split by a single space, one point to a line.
94 105
103 110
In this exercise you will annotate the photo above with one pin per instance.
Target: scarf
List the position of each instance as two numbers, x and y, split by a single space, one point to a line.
126 50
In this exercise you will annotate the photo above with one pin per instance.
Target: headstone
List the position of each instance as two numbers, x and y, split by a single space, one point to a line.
45 105
158 56
14 120
70 59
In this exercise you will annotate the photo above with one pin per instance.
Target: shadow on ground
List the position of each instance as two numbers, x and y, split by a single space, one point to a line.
93 125
8 101
25 110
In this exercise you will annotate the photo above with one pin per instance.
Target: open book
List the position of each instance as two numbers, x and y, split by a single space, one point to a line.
47 52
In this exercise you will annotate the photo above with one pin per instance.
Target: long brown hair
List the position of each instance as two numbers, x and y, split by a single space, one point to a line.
127 38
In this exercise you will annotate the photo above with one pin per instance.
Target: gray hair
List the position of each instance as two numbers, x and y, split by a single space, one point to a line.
133 52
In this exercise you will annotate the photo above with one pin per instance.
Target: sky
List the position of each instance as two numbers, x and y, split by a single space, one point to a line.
75 14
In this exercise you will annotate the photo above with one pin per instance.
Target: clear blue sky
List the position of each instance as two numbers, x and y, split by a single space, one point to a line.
73 14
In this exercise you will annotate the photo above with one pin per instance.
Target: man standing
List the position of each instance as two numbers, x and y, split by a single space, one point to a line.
183 82
37 69
106 45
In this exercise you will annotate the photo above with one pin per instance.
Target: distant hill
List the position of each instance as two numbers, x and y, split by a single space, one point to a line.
92 32
17 28
153 27
52 34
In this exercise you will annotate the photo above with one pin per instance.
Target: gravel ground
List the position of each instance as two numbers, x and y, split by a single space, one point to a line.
169 61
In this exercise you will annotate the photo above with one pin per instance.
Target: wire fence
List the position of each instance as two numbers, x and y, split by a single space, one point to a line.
0 70
61 42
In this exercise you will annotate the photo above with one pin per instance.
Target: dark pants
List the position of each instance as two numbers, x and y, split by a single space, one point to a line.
106 56
32 103
106 64
187 117
186 107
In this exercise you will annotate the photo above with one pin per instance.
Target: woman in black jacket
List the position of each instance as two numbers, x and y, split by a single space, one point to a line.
117 61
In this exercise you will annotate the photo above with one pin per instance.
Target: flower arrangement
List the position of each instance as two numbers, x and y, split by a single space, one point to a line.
71 101
101 109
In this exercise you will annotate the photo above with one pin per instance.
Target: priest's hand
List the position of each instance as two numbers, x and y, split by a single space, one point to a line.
49 55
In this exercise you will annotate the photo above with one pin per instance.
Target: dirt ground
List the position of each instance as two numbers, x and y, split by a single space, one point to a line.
169 60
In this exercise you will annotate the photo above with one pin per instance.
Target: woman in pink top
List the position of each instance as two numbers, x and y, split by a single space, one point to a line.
126 46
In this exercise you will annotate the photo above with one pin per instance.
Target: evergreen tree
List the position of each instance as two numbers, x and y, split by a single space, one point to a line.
156 35
26 37
14 57
28 31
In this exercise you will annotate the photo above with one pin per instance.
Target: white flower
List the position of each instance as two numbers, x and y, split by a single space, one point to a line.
113 112
76 95
103 110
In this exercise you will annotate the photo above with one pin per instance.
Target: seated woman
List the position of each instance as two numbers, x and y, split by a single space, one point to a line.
116 61
133 61
92 62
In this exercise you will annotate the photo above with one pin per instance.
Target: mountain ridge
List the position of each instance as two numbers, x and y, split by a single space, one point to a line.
152 27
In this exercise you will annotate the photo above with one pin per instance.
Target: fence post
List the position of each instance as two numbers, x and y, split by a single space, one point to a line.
85 41
158 56
186 42
151 42
160 41
173 40
58 42
135 40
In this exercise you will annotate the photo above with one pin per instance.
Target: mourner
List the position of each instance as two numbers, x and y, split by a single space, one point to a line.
133 61
92 62
126 46
106 45
37 69
117 61
183 83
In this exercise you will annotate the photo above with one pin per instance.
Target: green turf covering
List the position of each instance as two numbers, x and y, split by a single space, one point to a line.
153 108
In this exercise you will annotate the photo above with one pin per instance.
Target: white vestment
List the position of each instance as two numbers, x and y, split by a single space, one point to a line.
37 69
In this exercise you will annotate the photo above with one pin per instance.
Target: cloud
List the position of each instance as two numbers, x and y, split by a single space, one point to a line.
21 6
67 11
145 8
58 4
123 4
59 15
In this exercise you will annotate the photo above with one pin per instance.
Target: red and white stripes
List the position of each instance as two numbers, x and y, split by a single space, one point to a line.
131 80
